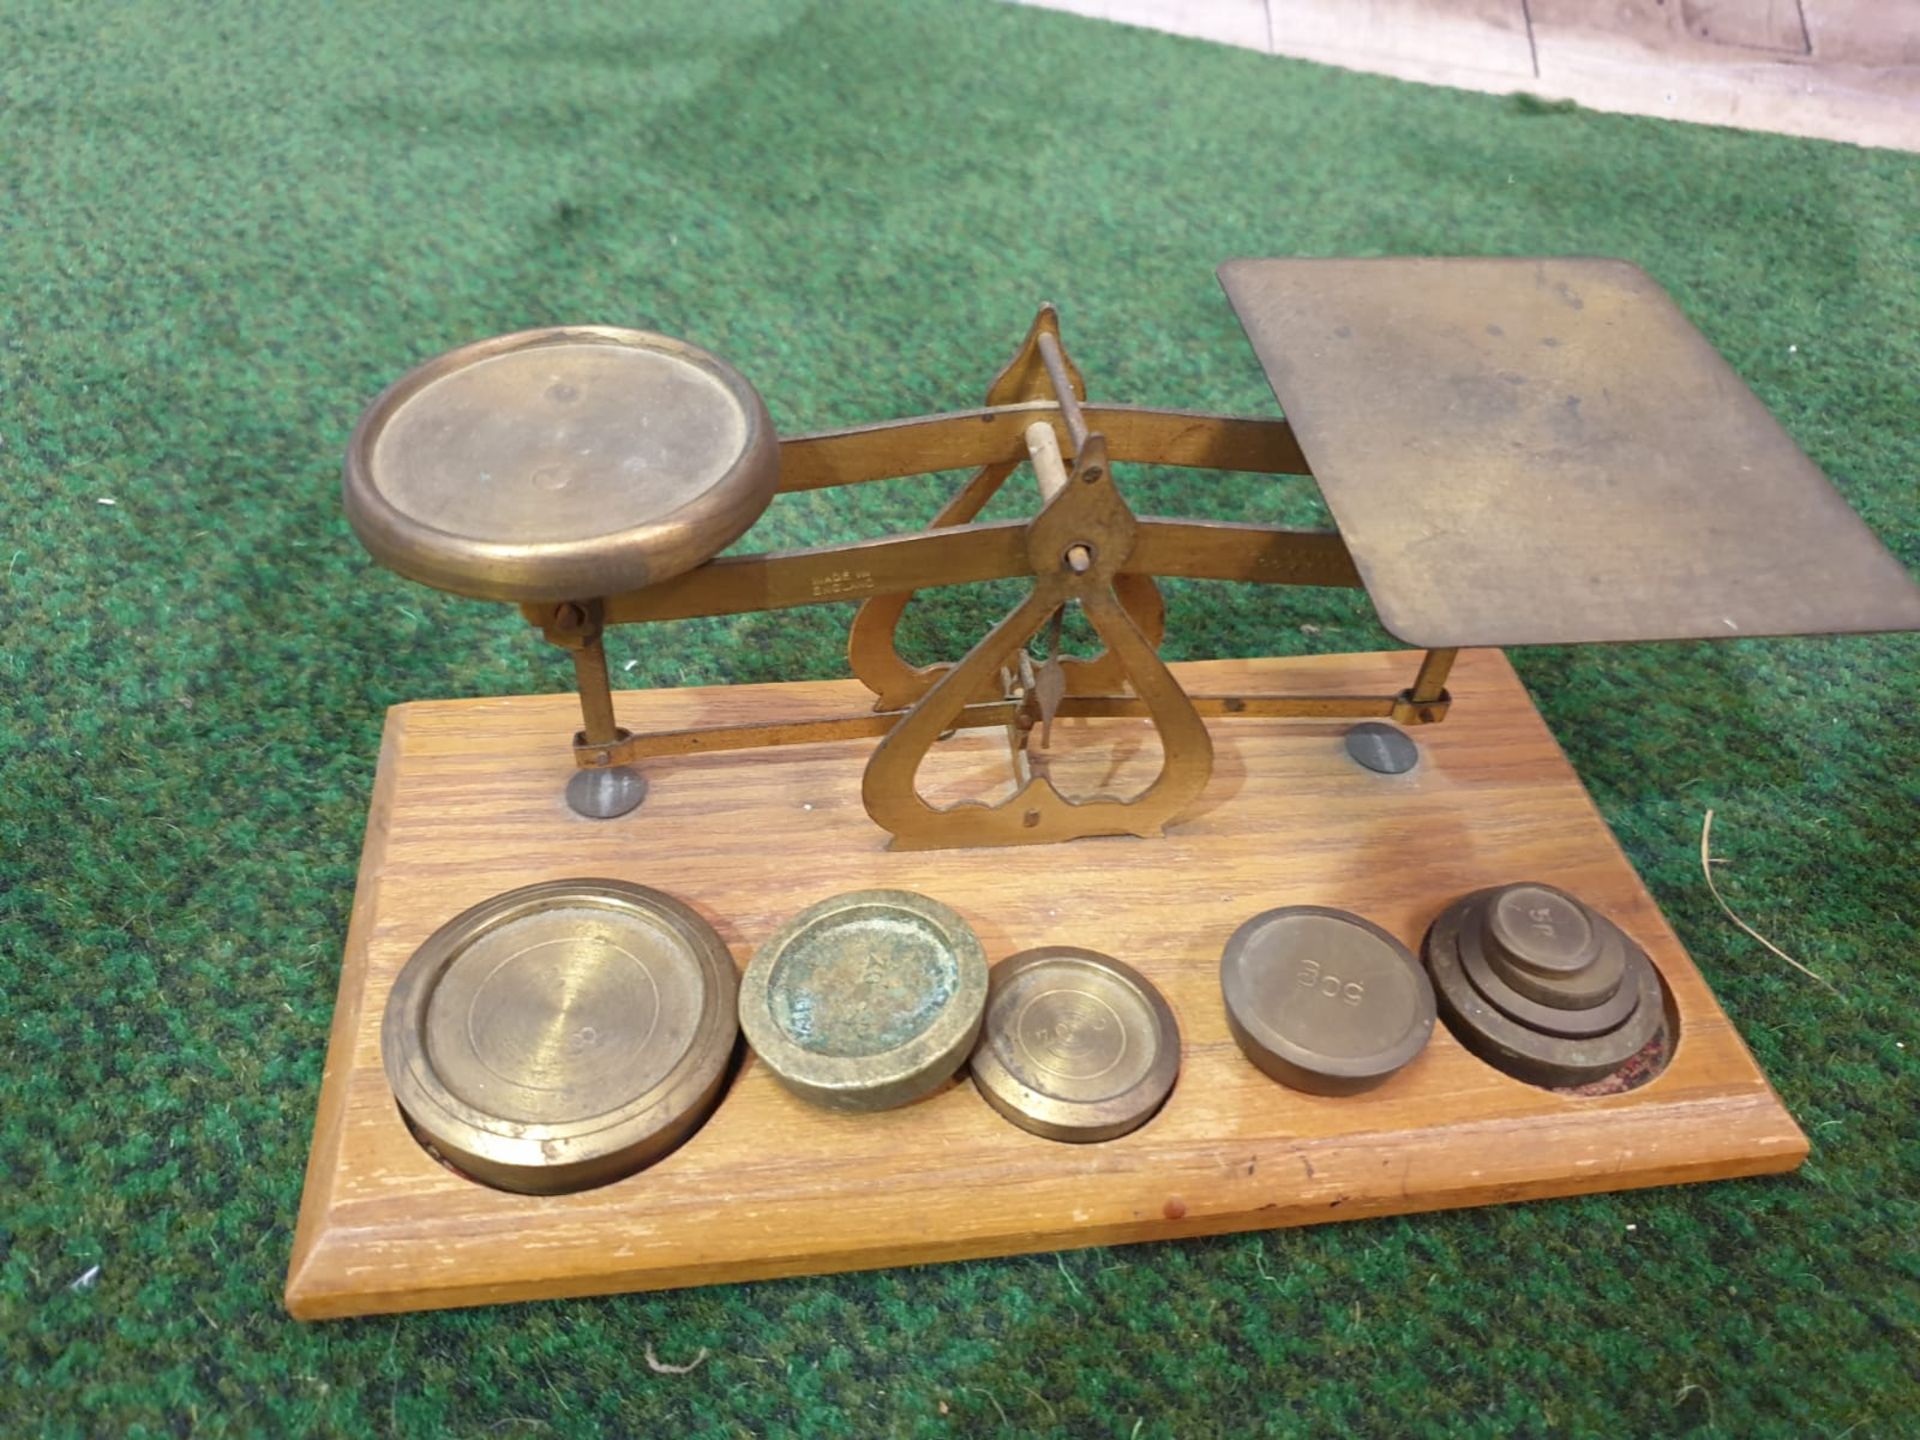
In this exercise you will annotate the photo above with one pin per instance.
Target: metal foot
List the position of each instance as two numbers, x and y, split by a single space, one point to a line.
1382 748
604 794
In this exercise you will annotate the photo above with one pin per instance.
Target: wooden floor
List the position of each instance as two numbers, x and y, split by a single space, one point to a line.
1830 69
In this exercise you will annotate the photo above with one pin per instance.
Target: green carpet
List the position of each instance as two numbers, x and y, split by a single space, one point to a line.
224 227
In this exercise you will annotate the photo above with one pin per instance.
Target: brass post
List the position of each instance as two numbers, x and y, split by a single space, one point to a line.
1431 683
1050 471
1056 363
576 626
596 693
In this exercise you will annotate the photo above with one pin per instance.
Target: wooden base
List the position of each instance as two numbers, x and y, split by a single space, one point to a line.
468 802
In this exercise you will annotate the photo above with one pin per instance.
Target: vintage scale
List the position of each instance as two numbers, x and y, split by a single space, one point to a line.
1515 451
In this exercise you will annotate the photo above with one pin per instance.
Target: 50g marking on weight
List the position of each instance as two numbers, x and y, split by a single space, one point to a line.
1331 986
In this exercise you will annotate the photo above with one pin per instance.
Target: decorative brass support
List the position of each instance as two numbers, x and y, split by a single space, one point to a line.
1076 545
1039 371
1084 547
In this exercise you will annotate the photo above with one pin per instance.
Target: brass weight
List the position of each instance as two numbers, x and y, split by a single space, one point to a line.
1323 1000
1077 1045
1541 986
867 1000
563 1034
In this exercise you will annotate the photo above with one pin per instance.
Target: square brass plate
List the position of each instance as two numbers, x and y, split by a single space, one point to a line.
1546 451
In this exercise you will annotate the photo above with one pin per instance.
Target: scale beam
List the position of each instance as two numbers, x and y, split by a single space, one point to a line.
967 554
1514 452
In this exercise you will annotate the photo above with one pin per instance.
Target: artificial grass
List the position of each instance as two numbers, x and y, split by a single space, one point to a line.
226 227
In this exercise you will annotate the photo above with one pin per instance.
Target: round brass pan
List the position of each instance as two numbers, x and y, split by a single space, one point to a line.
1323 1000
563 1034
1076 1045
560 464
867 1000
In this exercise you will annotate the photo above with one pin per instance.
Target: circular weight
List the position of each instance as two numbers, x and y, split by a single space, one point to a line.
560 464
1572 1023
1595 985
562 1035
1541 929
606 794
1509 1046
1076 1045
1383 748
1323 1000
1557 915
867 1000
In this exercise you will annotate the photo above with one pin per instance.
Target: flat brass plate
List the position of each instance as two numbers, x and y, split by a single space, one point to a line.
1323 1000
563 1034
866 1000
1546 451
1076 1045
560 464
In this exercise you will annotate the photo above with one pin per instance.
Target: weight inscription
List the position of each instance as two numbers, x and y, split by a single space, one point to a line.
1322 982
842 582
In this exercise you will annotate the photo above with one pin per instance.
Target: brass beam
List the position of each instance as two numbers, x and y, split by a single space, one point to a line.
996 435
870 724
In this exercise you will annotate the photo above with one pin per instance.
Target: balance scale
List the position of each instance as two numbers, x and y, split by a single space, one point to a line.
1514 451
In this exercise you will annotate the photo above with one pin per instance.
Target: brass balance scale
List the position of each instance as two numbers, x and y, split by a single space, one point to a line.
1515 452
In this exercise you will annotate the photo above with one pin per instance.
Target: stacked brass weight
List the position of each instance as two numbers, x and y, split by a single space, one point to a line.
1542 986
866 1000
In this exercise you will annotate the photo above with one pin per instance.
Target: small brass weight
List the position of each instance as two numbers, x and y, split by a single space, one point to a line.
1515 451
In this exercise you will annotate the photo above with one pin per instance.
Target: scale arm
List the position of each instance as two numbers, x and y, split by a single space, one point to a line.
783 579
964 554
1262 554
996 435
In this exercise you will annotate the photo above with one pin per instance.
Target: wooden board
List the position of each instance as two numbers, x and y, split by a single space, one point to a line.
468 803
